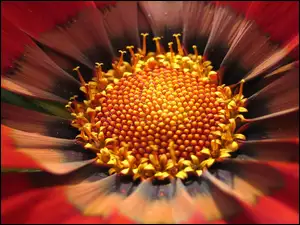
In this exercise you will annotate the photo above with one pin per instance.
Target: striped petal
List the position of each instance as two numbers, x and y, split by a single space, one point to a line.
121 24
33 197
35 74
34 122
283 13
150 203
55 155
283 124
280 149
280 95
196 24
165 18
11 49
211 204
82 38
253 185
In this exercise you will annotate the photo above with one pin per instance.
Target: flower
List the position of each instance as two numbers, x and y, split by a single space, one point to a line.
159 136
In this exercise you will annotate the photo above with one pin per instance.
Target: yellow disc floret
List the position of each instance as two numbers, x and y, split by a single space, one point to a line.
163 115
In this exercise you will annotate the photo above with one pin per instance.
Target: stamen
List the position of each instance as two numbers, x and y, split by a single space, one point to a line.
156 39
170 44
73 100
99 72
195 52
69 107
180 50
144 50
136 59
172 152
79 76
121 59
92 114
241 87
156 162
131 52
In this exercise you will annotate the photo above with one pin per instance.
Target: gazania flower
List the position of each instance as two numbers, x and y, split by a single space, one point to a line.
149 112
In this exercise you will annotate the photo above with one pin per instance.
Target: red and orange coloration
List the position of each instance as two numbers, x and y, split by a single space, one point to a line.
163 115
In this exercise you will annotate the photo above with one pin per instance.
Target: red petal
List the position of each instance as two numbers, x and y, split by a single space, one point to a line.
279 19
37 73
79 219
198 219
34 18
13 43
270 175
19 196
240 6
101 4
280 207
10 158
290 193
37 17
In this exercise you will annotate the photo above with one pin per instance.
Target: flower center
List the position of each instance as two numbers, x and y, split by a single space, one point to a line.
162 115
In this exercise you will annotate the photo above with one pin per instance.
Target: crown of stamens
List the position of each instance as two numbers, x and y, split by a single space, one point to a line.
161 115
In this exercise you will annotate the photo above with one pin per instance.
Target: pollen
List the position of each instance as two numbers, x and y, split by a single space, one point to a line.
162 115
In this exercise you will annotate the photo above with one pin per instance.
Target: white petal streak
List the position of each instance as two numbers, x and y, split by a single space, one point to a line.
273 59
281 94
243 28
197 20
224 27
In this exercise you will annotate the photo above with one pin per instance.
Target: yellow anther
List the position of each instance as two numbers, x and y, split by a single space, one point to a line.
121 58
171 48
131 51
79 75
155 160
92 113
87 130
98 70
180 50
90 90
74 98
144 50
172 152
195 51
70 108
156 39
